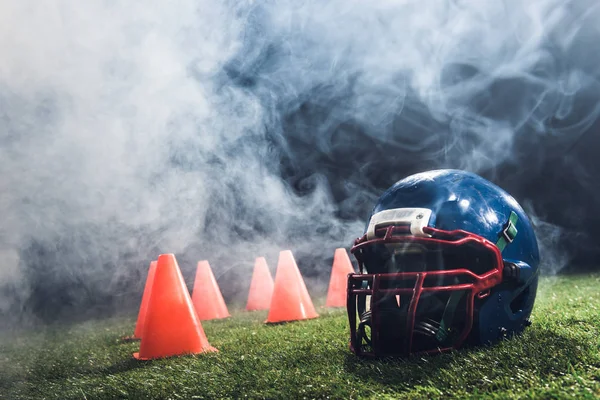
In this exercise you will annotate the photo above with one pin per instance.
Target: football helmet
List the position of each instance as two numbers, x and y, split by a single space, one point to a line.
447 258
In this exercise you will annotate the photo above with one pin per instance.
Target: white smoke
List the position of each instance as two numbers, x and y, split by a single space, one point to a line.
132 129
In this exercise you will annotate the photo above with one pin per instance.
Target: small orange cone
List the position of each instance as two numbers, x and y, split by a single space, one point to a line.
139 326
261 287
171 326
206 297
338 283
290 300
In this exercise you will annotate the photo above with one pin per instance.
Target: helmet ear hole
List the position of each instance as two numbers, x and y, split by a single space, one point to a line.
517 304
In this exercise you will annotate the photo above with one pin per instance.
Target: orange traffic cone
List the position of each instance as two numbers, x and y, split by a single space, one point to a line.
338 283
261 287
206 297
139 326
171 326
290 300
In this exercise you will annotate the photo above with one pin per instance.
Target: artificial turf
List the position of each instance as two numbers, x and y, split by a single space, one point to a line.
558 356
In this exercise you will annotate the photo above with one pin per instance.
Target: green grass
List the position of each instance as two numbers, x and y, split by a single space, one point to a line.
557 357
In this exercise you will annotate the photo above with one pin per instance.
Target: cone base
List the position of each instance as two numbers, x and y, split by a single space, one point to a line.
257 309
208 349
285 321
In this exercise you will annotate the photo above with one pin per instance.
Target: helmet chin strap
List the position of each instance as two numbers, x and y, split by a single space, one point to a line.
507 236
442 333
509 232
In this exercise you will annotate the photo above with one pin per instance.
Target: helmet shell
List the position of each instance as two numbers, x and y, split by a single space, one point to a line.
461 200
466 201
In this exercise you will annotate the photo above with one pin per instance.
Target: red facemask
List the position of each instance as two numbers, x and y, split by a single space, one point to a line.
422 289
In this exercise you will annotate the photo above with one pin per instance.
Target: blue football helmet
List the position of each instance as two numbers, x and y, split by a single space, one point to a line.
447 259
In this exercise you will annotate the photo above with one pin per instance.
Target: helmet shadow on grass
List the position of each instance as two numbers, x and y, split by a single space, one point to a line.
540 352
